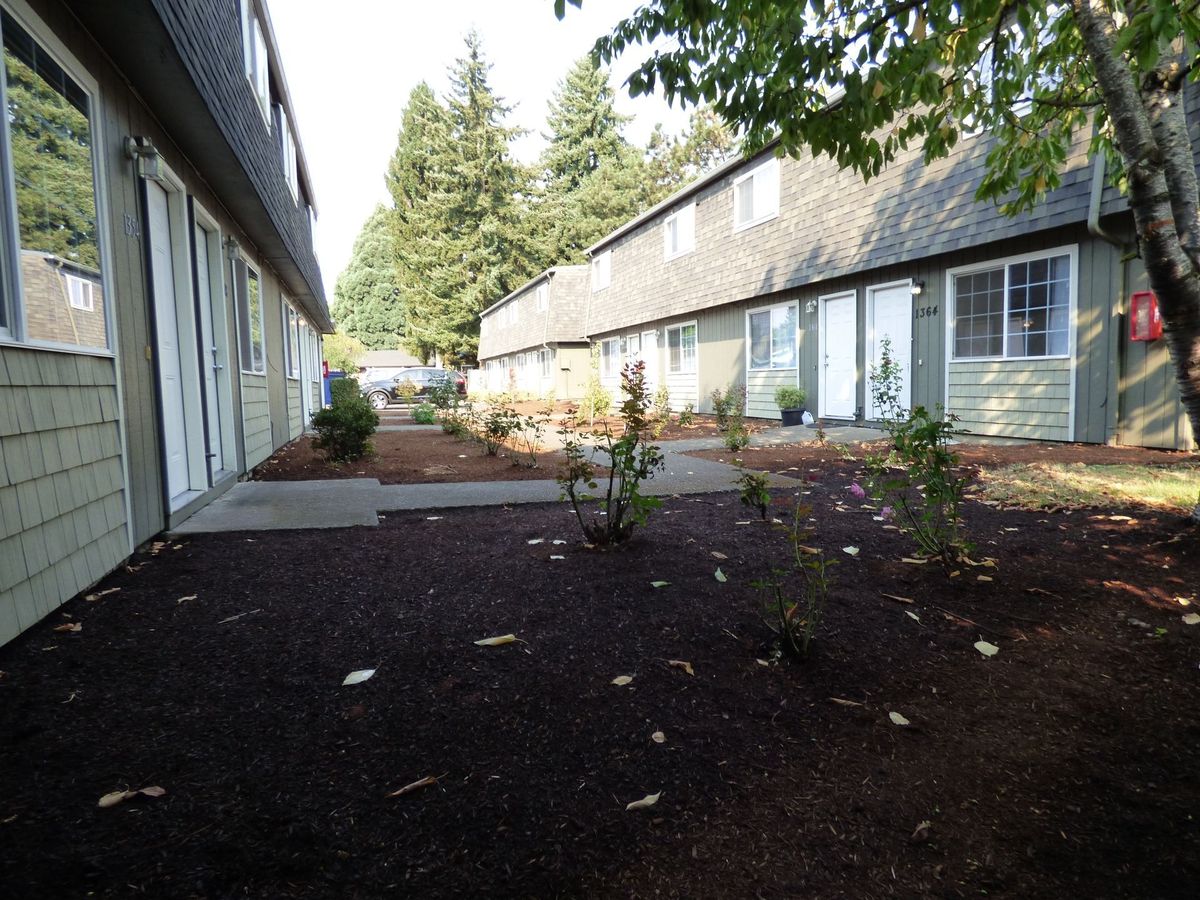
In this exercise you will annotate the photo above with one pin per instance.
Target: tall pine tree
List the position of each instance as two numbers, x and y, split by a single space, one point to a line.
367 302
672 162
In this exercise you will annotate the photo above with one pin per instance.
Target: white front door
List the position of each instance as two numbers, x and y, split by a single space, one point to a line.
303 351
889 316
210 365
170 363
838 330
650 356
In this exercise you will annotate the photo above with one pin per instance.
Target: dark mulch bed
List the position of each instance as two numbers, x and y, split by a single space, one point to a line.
409 457
1063 767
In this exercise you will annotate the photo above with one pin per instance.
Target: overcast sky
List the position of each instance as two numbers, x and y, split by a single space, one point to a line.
350 65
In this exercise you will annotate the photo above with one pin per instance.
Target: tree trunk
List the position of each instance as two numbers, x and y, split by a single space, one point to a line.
1151 135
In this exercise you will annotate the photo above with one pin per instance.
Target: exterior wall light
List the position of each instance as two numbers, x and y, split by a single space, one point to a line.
918 288
149 160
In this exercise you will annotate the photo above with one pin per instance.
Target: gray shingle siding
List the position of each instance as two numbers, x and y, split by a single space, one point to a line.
207 35
562 322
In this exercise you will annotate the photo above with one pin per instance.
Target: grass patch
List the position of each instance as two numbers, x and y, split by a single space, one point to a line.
1044 485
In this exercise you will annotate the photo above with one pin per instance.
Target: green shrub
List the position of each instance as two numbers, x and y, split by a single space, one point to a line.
737 436
797 592
498 426
424 414
789 397
728 405
687 415
754 490
343 389
443 393
344 431
632 461
597 399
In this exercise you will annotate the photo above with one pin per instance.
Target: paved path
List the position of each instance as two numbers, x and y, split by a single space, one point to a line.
344 502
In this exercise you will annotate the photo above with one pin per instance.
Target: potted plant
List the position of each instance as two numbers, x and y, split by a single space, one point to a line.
790 401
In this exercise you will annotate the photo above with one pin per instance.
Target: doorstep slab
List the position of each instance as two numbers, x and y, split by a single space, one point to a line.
277 505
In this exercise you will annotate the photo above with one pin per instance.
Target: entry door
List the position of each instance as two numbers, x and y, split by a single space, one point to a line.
889 315
168 355
650 355
305 357
210 360
837 394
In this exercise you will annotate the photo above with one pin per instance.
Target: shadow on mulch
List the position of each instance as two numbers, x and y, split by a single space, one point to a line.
1061 767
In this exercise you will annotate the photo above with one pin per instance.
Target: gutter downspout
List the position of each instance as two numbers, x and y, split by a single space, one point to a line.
1116 348
549 313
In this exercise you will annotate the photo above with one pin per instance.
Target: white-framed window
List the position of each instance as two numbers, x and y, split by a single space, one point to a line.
772 336
546 357
543 296
251 339
51 258
510 312
610 358
679 232
681 348
1015 308
287 152
254 55
79 292
756 195
602 270
291 340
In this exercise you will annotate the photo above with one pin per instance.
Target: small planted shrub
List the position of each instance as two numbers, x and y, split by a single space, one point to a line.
737 437
597 399
425 414
797 591
496 428
687 415
443 394
622 506
728 405
527 437
790 397
662 403
344 429
916 477
754 490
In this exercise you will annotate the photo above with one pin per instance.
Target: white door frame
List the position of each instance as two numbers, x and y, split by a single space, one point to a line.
872 291
217 355
181 303
822 332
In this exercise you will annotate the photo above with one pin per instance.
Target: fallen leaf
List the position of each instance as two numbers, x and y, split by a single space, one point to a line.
658 584
645 803
986 649
983 578
358 676
534 541
912 615
842 702
432 518
762 662
153 791
496 641
913 562
658 737
1191 619
414 786
622 680
852 551
558 542
921 832
186 599
719 575
718 555
680 664
898 599
898 719
556 556
112 799
69 626
92 598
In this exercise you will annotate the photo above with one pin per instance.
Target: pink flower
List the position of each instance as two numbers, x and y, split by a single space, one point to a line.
857 491
886 512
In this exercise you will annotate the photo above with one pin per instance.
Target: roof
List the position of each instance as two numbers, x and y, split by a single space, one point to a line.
547 273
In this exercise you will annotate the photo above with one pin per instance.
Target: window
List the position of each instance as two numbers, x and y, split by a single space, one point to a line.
250 320
543 296
291 339
51 261
610 358
547 361
679 232
773 338
287 151
681 348
602 270
1015 310
756 195
79 292
254 55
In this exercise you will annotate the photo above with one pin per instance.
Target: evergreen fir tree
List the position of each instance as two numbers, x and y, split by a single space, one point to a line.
367 300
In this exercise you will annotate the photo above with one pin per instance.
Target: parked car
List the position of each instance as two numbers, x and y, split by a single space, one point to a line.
410 385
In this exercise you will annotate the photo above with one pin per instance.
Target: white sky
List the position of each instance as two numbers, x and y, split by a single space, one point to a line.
350 65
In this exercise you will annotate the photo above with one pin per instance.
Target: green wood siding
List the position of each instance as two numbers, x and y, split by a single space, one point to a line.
1025 398
62 485
295 414
256 414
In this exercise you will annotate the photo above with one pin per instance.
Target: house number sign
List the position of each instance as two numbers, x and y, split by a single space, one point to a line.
925 312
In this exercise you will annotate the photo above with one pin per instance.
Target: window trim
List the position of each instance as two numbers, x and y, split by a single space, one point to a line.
73 280
618 356
542 295
687 212
244 363
679 326
288 154
252 30
1070 250
758 310
749 176
291 337
602 263
13 332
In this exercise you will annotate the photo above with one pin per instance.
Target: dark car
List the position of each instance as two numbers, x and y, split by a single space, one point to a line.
411 385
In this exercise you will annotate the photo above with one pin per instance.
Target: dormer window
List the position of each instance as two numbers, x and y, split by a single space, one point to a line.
602 271
679 232
756 195
543 296
254 55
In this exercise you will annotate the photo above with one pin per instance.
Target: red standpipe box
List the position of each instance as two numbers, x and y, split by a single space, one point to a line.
1145 322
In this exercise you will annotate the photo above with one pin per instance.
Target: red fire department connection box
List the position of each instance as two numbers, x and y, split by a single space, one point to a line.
1145 322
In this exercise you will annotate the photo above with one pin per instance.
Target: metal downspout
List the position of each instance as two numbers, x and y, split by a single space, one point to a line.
1116 351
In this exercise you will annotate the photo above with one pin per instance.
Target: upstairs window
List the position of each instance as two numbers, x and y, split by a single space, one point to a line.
543 296
510 313
681 348
50 261
254 55
250 320
287 151
679 232
1014 310
602 270
773 338
756 195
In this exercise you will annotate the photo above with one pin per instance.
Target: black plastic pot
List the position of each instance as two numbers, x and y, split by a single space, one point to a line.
792 417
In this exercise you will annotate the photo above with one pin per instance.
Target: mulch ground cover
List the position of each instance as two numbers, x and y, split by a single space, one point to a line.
1063 766
409 457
